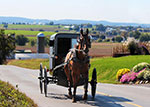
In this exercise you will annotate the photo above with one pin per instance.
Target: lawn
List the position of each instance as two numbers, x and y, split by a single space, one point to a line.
106 67
30 63
10 97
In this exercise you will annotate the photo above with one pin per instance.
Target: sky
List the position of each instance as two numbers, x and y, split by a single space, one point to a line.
136 11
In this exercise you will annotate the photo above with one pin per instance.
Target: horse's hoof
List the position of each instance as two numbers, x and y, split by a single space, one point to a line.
70 96
73 100
85 97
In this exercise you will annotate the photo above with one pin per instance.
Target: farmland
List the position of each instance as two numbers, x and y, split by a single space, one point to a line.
97 49
27 33
13 26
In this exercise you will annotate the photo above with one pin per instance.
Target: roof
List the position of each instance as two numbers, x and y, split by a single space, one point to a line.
40 34
64 35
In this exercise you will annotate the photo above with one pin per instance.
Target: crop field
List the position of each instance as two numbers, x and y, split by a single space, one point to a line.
25 32
97 50
31 26
102 49
51 28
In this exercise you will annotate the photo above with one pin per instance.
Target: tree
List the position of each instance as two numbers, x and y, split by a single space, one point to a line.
51 23
5 25
99 40
46 41
144 38
107 40
89 25
132 46
32 43
21 40
103 37
118 38
7 45
100 28
135 34
76 28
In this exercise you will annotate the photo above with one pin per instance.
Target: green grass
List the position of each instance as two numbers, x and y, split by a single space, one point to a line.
10 97
30 63
106 67
25 32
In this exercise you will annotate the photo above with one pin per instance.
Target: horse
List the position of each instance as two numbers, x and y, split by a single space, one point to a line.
78 65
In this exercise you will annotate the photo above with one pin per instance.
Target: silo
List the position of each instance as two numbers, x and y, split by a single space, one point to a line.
40 43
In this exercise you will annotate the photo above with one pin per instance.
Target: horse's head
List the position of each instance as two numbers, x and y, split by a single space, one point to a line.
84 41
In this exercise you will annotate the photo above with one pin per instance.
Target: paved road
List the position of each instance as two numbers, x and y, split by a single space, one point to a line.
108 95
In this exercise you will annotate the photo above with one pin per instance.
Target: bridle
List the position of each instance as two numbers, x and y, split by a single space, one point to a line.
84 41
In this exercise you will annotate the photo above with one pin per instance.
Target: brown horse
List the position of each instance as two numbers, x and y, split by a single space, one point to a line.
78 65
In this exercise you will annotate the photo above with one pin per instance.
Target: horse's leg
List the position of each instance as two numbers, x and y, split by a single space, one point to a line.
85 96
69 93
74 78
74 94
69 80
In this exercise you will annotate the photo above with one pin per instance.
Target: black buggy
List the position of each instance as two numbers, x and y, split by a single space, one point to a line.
60 44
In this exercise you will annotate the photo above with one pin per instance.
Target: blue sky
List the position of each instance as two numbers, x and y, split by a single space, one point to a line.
110 10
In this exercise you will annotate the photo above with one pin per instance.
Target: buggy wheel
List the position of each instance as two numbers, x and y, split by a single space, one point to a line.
41 78
93 82
45 81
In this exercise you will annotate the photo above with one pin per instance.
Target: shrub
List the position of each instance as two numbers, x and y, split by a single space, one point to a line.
132 46
145 74
21 40
118 38
107 40
33 43
140 66
121 72
141 74
99 40
131 76
7 45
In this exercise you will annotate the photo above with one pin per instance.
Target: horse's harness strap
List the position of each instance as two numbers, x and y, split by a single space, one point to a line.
75 59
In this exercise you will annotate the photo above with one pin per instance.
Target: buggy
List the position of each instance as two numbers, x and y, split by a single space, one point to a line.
60 44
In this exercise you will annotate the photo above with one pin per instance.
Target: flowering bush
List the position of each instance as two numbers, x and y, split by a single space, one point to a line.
140 66
131 76
121 72
145 74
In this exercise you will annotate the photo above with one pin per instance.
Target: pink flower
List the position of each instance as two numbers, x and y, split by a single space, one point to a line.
131 76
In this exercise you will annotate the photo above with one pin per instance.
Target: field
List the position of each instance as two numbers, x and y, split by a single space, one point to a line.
102 49
46 28
32 26
97 50
31 63
28 33
10 97
106 67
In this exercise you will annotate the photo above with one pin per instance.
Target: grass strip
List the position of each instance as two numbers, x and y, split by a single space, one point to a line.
10 97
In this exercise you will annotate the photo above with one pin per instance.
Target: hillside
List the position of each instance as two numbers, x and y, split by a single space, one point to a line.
106 67
65 21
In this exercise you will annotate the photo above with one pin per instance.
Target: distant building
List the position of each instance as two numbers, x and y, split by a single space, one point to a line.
95 37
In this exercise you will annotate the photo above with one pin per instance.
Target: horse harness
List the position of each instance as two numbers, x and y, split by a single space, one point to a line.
76 59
